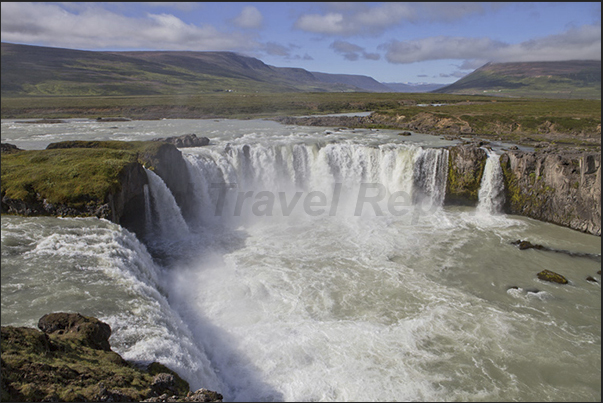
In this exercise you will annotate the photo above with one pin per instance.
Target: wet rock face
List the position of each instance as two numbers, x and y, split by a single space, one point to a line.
90 331
561 188
466 164
169 164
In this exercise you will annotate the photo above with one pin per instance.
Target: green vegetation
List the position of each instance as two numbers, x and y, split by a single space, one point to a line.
571 122
71 360
73 176
577 79
463 186
41 367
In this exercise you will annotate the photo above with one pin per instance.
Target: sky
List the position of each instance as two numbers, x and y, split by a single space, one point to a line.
413 42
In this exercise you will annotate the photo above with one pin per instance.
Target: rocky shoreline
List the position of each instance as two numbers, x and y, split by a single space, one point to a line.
70 360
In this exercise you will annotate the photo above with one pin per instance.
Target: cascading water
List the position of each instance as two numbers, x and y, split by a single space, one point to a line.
169 225
148 214
491 194
343 178
318 270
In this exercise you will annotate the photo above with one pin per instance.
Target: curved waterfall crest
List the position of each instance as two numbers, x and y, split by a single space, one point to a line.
335 178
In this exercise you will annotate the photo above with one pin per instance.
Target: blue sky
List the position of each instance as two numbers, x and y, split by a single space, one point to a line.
391 41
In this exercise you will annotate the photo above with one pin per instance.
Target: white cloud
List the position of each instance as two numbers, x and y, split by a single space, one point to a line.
331 23
94 27
352 52
250 17
576 43
362 18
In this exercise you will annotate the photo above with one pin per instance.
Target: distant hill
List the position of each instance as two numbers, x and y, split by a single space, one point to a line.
36 70
564 79
401 87
364 82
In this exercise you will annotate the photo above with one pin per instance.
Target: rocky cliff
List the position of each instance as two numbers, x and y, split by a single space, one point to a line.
103 179
561 188
70 360
466 165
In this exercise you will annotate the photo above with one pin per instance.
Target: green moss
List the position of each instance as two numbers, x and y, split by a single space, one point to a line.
182 386
547 275
525 200
37 367
463 187
74 173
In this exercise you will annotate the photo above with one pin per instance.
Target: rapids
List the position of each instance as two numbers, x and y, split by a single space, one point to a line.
318 268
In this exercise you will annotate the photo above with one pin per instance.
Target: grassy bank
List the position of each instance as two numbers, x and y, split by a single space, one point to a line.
72 176
231 105
571 122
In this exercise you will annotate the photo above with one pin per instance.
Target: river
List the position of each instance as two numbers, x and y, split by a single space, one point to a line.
319 265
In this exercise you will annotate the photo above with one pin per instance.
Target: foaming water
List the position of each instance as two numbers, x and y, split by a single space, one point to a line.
278 296
96 268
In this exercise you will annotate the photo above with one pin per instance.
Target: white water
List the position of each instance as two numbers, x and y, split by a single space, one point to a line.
403 301
491 193
169 225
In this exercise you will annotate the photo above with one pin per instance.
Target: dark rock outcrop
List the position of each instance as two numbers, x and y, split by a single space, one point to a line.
466 165
71 361
523 245
561 188
186 140
6 148
89 331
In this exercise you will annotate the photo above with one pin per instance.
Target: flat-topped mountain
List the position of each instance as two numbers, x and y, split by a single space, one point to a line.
565 79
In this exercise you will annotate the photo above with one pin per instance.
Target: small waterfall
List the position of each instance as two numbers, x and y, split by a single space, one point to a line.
167 214
147 210
491 193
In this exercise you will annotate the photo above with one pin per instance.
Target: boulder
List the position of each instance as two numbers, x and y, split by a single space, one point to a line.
522 245
163 383
547 275
89 331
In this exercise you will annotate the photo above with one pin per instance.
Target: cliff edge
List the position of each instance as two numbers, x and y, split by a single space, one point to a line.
70 360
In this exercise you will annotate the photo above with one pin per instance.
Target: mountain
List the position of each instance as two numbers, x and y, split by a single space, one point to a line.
36 70
364 82
564 79
402 87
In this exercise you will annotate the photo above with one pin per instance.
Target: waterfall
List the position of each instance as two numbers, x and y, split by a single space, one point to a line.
147 210
166 215
431 173
241 181
491 193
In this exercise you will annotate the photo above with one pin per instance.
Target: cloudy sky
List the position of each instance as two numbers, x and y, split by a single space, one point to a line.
391 42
